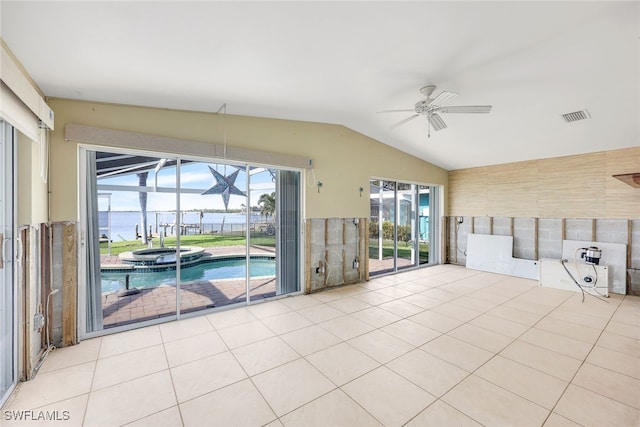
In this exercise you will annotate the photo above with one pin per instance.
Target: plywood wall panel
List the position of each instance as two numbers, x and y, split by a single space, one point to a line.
564 187
514 188
572 186
69 285
470 187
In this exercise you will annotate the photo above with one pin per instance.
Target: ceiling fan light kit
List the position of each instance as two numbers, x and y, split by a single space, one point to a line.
431 108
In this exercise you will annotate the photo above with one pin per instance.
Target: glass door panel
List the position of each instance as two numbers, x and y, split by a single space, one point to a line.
424 224
137 269
263 230
406 242
212 200
8 350
375 223
382 227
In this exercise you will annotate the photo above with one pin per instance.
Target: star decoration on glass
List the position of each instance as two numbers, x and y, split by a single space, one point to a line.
225 186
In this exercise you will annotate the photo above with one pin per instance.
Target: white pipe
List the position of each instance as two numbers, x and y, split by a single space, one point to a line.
50 347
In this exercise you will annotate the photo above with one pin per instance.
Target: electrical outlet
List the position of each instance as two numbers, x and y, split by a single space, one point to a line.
38 321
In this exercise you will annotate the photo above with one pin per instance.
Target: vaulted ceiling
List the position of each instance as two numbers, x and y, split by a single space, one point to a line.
343 62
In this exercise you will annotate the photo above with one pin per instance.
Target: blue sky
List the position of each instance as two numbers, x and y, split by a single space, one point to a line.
193 176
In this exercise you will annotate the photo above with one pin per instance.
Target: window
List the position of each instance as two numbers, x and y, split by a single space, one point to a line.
170 235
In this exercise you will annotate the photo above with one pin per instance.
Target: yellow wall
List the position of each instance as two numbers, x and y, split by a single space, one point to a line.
32 190
578 186
344 160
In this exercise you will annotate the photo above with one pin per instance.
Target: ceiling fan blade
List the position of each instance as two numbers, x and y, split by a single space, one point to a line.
465 109
406 110
436 122
401 122
442 98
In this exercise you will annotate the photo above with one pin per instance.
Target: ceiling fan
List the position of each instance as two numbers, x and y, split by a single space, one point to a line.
433 107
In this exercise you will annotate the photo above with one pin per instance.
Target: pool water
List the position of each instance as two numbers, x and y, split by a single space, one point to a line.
211 270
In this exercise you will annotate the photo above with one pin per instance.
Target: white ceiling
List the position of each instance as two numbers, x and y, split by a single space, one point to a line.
342 62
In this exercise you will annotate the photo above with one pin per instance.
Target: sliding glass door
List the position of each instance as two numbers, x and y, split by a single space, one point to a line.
400 230
169 236
8 313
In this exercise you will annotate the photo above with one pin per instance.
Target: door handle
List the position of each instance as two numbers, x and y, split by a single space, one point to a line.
19 250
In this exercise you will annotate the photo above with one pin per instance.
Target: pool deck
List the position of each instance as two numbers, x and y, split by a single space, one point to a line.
153 303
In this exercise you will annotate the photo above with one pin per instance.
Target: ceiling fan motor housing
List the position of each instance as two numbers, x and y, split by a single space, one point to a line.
422 107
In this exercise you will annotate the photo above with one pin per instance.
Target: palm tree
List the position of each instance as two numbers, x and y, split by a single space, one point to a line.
267 203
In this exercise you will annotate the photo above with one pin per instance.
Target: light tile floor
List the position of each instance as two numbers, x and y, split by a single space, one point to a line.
439 346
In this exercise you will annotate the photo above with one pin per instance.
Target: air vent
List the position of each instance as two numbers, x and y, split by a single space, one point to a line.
576 115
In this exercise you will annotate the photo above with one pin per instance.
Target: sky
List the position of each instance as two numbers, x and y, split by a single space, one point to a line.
195 179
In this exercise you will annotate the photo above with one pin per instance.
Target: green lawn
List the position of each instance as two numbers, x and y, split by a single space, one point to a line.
202 240
209 240
403 252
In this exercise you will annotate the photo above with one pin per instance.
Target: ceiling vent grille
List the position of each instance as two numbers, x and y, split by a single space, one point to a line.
575 116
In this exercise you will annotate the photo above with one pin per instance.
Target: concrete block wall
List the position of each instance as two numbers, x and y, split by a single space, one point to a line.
481 225
501 226
536 238
524 238
578 229
549 245
334 244
611 230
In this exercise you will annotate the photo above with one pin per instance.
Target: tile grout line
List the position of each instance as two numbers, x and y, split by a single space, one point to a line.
491 358
175 394
95 368
302 357
582 364
342 341
418 348
249 377
439 398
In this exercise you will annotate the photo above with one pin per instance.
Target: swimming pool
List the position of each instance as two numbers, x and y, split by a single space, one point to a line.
211 269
